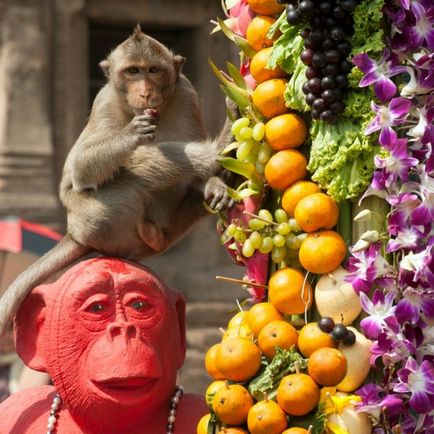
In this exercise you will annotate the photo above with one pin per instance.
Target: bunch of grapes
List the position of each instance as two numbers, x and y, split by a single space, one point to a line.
326 48
280 236
249 143
337 331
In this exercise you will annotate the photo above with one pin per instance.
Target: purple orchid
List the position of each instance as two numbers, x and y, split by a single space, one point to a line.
415 302
419 381
418 267
386 118
379 73
422 33
407 239
380 308
368 267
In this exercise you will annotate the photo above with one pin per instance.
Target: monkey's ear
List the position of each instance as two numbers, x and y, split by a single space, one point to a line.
31 330
178 62
138 35
105 66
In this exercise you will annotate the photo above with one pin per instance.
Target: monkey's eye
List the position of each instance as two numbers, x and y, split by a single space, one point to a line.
154 69
133 70
139 305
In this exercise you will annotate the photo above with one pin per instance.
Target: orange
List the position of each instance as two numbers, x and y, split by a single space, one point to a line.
277 334
238 359
256 32
212 389
322 252
311 338
297 191
289 292
298 394
232 430
232 403
242 330
285 131
259 70
237 319
327 366
316 211
266 417
266 7
261 314
268 97
284 168
296 430
210 363
202 426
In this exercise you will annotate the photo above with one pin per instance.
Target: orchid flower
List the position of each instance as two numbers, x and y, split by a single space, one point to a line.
387 117
423 30
379 73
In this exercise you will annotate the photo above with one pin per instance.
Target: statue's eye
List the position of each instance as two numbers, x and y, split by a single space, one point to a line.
154 69
133 70
96 308
139 305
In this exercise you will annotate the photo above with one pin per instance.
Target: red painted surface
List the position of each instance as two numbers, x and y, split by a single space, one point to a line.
112 337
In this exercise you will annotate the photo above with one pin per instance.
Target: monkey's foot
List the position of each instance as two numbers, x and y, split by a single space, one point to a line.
216 194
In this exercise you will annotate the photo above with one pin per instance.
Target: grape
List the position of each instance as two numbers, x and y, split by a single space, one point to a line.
315 114
278 254
338 12
331 69
348 5
332 56
248 250
344 48
279 240
337 34
326 116
238 124
330 22
280 216
325 8
256 239
341 81
309 44
350 339
310 98
240 236
292 16
305 88
266 215
292 242
311 72
267 245
260 168
264 153
244 149
246 133
316 22
256 224
294 225
326 324
339 332
319 104
306 8
231 229
302 237
306 56
328 82
329 95
319 60
337 107
305 32
346 67
283 228
328 44
258 131
315 85
316 36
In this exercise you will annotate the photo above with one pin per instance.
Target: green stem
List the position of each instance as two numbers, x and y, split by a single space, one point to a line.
344 222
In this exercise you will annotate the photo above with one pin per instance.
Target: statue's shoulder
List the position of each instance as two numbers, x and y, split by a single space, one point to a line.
25 411
191 408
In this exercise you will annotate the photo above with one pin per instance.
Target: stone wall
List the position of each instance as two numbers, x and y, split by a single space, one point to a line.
44 103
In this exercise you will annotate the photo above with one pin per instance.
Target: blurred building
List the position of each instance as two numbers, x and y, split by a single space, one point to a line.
49 55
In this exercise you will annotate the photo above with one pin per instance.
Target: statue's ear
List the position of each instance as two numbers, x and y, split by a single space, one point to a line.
31 332
179 304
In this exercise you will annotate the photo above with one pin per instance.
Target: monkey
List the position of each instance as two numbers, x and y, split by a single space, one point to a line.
132 188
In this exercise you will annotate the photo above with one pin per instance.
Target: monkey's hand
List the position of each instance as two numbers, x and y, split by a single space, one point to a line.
216 194
143 127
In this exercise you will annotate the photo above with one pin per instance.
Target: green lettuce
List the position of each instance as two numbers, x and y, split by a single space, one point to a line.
284 362
294 96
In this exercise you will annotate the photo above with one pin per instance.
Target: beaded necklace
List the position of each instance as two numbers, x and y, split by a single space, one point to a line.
179 391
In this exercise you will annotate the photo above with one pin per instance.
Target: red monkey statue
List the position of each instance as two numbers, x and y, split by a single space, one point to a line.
112 337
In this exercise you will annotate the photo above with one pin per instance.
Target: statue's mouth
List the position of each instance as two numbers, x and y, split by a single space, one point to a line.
133 387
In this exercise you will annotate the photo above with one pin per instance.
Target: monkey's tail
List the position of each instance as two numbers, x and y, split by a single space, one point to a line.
64 253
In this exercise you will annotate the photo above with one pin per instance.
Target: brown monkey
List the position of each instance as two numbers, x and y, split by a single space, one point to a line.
131 189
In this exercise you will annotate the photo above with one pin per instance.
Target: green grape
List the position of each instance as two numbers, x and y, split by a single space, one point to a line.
265 214
294 225
260 167
302 236
248 250
278 254
246 133
264 153
292 241
240 236
238 138
244 149
292 254
283 229
256 224
267 245
231 230
279 240
258 131
256 239
280 215
238 124
251 158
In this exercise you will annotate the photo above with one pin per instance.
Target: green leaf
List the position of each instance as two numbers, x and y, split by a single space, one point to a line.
240 195
276 25
243 168
231 3
218 73
236 94
229 148
235 73
236 39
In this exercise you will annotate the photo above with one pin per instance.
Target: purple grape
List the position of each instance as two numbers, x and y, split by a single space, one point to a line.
348 5
339 332
309 44
326 324
306 8
350 339
337 107
305 88
328 44
330 69
346 67
341 81
317 36
337 34
306 56
325 8
332 56
311 72
292 16
344 48
315 114
316 22
319 104
330 22
328 82
310 98
305 32
315 85
326 116
319 60
329 95
338 12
